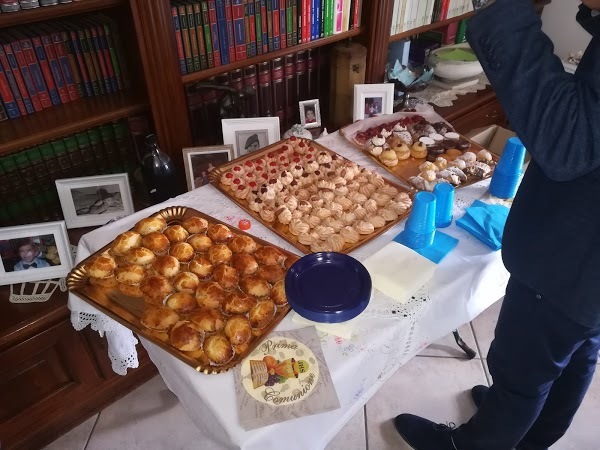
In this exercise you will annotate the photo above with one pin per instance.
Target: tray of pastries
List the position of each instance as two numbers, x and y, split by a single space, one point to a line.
421 151
205 292
312 197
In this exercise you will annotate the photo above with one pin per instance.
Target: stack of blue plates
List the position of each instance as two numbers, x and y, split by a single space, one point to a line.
328 287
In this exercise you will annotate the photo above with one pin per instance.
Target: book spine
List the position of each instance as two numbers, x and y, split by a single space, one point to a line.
313 74
270 23
185 38
214 32
237 12
200 35
264 90
265 25
96 58
79 84
74 154
444 10
64 162
346 16
87 154
122 143
252 28
330 14
278 89
65 67
19 86
301 76
189 8
88 64
276 26
222 22
306 20
289 22
35 72
230 31
295 22
314 19
26 75
96 149
353 4
114 55
258 27
322 21
207 38
108 60
6 96
338 14
3 115
282 24
110 148
57 75
246 5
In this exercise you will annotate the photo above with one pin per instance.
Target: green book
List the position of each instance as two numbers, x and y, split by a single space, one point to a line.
329 10
259 30
461 32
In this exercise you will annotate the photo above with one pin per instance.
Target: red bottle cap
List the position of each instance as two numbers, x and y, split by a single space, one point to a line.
244 224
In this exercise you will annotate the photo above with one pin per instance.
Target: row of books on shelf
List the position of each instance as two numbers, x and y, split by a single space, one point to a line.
410 14
47 64
271 88
211 33
27 190
14 5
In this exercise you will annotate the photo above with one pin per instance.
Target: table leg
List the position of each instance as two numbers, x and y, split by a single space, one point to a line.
463 345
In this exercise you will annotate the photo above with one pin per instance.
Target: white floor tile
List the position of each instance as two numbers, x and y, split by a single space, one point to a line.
76 439
352 436
435 388
484 326
447 345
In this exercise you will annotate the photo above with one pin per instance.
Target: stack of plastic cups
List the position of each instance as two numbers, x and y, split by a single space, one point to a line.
419 230
507 174
444 194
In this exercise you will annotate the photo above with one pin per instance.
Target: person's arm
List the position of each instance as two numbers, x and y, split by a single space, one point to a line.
556 114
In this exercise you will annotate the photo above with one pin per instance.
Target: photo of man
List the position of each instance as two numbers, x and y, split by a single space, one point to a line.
249 141
97 200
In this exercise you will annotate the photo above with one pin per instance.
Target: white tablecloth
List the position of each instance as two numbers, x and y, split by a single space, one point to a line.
387 335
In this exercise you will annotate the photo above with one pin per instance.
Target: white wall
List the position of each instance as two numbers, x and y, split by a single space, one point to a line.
560 25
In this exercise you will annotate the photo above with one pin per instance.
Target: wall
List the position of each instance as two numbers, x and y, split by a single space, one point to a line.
560 25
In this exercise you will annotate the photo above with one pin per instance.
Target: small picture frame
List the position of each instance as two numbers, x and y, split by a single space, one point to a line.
34 252
372 100
310 113
250 135
93 201
200 161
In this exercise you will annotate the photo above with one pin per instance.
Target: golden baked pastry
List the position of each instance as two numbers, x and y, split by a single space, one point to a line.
269 255
183 251
186 282
159 318
200 242
126 241
238 330
453 153
242 243
102 267
176 233
418 150
219 233
218 349
181 302
167 266
186 336
150 225
255 286
238 303
155 288
240 349
201 267
210 295
244 263
261 314
200 356
278 293
195 224
140 255
156 242
226 276
130 274
132 290
208 319
219 254
271 273
160 335
108 282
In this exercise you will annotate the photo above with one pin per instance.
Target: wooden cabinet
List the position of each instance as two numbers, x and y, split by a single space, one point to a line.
488 114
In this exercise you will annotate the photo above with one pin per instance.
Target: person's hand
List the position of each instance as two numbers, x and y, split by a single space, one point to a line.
592 4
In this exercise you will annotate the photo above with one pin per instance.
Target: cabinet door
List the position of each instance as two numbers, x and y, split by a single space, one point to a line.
489 114
40 377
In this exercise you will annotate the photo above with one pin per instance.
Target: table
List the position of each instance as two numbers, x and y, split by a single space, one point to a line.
386 336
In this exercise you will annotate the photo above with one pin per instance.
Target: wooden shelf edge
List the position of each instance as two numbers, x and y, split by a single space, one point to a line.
207 73
56 11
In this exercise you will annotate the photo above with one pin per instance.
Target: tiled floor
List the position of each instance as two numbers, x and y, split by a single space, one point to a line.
435 384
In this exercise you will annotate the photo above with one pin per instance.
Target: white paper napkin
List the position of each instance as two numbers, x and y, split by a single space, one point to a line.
343 329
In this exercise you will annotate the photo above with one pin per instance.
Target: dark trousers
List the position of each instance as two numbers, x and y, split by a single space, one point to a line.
542 364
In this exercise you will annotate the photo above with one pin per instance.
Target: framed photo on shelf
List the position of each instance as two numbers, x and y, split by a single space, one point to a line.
93 201
34 252
200 161
249 135
372 100
310 113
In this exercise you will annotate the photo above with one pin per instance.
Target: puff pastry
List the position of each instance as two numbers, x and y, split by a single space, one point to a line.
167 266
108 282
176 233
183 251
102 267
271 273
181 302
226 276
159 318
218 349
186 336
150 225
186 282
195 224
131 290
238 303
244 263
130 274
200 242
219 233
155 288
238 330
255 286
219 254
261 314
210 295
201 267
269 255
126 241
208 319
140 255
157 242
242 243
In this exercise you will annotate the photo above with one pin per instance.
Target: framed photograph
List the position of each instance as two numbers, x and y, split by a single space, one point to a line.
34 252
310 113
372 100
93 201
200 161
249 135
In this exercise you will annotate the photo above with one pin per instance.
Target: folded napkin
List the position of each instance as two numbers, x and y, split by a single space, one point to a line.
342 329
442 245
485 222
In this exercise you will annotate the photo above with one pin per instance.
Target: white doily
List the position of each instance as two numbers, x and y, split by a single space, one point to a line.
441 97
41 291
385 307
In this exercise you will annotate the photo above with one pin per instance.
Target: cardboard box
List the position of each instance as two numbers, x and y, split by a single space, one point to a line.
494 138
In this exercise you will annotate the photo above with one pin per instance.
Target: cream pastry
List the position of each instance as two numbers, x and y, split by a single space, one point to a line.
389 190
266 193
313 220
349 217
458 172
484 156
297 214
428 166
429 175
336 242
284 216
311 167
389 158
242 192
336 224
359 212
323 231
345 202
304 206
335 208
323 158
381 199
377 221
367 189
298 227
327 195
286 178
347 173
468 157
297 171
458 163
325 184
302 194
357 197
307 239
378 141
350 235
385 133
371 206
227 178
441 163
402 152
388 214
364 227
267 214
290 202
376 151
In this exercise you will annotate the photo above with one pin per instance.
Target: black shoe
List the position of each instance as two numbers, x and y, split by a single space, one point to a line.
423 434
478 394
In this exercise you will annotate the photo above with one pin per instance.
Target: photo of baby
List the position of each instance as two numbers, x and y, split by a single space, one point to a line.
34 252
373 106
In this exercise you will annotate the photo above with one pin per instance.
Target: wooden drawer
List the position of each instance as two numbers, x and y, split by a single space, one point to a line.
489 114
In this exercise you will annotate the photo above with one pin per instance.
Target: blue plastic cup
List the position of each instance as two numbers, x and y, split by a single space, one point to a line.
512 159
504 186
419 230
444 195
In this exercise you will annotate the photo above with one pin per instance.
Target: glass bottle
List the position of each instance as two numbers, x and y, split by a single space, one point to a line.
159 172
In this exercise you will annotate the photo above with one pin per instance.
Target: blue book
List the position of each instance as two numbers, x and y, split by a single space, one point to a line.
282 21
314 20
222 25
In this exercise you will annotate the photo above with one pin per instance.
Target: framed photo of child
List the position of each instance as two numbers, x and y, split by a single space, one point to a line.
371 100
93 201
200 161
34 252
310 113
250 135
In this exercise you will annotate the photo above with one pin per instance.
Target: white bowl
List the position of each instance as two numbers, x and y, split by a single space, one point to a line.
454 70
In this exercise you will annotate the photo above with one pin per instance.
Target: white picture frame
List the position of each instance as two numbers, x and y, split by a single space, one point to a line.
251 134
43 244
306 106
94 201
198 162
379 98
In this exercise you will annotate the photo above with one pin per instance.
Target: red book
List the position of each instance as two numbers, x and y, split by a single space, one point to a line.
283 23
45 68
237 10
278 89
306 16
63 59
265 26
106 52
356 15
265 101
35 72
252 28
230 32
214 32
13 84
81 63
276 27
55 67
26 75
445 7
7 97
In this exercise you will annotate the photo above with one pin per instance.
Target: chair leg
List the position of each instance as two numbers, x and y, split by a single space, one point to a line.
463 345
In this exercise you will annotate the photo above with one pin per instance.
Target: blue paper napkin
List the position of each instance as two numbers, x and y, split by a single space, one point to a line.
442 245
485 222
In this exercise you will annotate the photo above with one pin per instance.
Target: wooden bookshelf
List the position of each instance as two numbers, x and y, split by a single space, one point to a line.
207 73
68 118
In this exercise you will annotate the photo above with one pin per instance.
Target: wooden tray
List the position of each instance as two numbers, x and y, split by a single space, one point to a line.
128 310
283 230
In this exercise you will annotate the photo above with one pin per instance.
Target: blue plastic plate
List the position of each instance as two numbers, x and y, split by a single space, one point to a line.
328 287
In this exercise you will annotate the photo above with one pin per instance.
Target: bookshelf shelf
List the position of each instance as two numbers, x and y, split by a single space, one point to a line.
54 12
431 26
207 73
61 120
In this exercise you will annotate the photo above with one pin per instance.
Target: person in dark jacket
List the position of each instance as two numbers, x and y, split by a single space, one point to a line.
546 344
